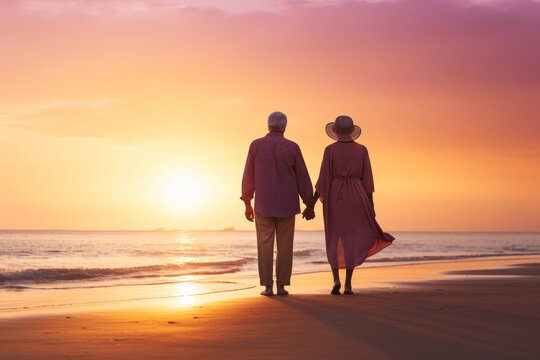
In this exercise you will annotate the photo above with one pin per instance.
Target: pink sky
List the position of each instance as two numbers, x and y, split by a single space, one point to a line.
102 101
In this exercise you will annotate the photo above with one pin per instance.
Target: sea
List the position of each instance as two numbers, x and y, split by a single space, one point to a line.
50 269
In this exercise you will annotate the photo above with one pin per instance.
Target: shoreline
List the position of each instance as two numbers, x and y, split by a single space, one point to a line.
305 283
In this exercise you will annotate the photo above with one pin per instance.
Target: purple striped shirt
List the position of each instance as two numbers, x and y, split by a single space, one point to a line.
276 174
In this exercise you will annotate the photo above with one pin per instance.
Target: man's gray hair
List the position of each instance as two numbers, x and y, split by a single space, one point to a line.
277 121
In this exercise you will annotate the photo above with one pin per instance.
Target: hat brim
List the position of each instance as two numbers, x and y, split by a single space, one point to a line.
355 134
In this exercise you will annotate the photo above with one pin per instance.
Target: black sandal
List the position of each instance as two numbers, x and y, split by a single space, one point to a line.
335 289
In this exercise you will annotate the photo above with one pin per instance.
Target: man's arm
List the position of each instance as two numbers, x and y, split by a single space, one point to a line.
305 187
248 184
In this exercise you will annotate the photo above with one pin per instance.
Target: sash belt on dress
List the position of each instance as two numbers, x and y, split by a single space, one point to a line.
344 178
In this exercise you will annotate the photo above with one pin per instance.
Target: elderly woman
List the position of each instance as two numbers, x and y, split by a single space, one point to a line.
345 187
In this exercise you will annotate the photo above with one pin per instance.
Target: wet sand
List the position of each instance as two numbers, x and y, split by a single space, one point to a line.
482 309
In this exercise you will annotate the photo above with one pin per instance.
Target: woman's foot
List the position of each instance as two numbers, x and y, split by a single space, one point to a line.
335 288
348 291
267 291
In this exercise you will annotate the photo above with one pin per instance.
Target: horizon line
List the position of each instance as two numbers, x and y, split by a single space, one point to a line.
157 230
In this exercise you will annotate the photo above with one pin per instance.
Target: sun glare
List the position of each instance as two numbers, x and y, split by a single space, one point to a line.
185 193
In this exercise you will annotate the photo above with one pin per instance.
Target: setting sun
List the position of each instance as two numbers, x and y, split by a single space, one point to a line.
185 193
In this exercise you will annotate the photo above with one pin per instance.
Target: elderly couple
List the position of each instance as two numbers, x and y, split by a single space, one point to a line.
275 173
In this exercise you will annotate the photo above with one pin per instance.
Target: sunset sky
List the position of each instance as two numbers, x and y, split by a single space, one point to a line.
109 109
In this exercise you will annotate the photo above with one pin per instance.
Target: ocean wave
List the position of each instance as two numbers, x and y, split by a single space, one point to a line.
238 262
433 257
14 287
46 275
306 252
442 257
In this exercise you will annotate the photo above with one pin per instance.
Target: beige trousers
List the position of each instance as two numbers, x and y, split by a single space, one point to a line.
282 229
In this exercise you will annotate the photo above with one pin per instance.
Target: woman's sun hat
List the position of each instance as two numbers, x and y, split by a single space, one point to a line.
343 129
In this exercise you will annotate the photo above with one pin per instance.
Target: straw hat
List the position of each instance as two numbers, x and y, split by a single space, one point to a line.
343 129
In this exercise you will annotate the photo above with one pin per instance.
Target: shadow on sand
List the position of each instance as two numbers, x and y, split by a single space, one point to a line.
471 318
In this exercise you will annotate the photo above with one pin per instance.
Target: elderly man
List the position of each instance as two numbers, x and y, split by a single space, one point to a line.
276 173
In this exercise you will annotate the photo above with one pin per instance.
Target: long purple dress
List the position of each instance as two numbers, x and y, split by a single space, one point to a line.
352 233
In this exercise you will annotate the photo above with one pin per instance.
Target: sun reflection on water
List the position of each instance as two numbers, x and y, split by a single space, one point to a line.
184 239
186 291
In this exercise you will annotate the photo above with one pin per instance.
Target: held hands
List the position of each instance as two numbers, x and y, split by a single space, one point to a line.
309 213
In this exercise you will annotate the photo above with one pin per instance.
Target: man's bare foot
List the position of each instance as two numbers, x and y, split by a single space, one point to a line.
281 290
267 291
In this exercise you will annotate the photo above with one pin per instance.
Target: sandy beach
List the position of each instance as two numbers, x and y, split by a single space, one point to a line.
475 309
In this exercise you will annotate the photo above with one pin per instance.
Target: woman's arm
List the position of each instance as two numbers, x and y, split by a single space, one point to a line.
370 197
315 198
